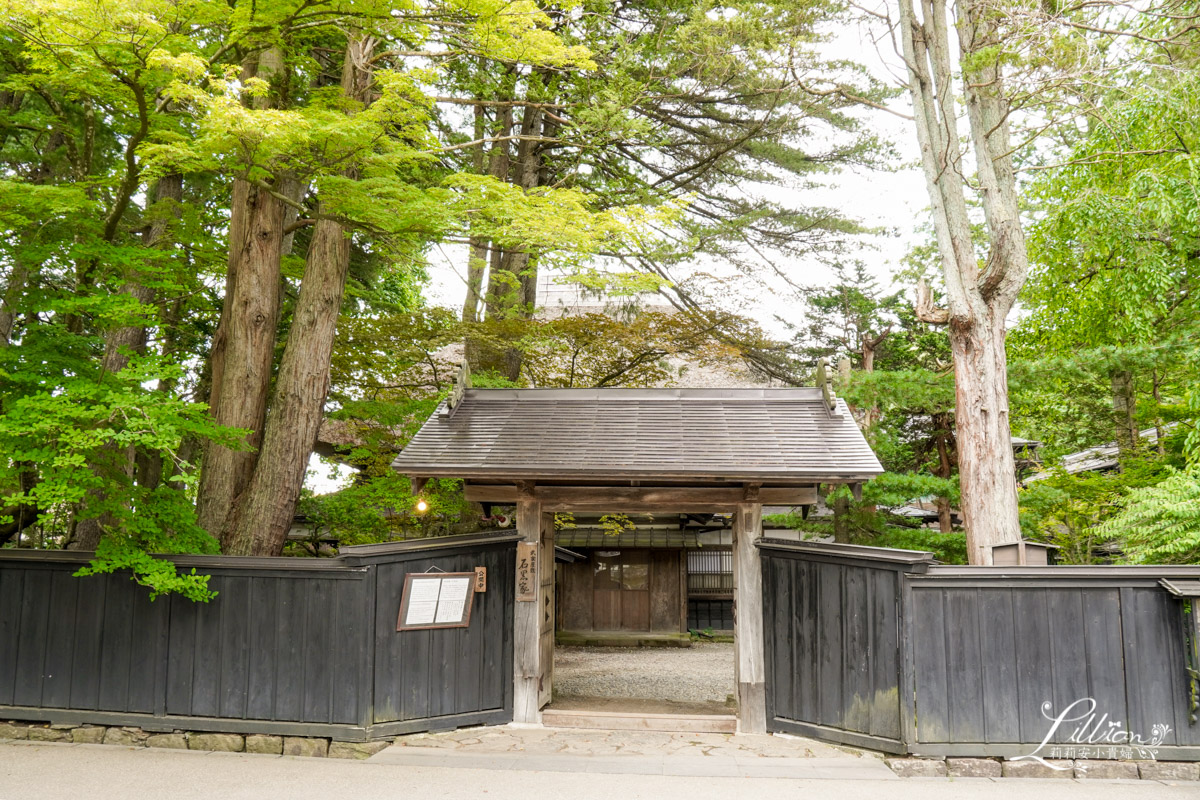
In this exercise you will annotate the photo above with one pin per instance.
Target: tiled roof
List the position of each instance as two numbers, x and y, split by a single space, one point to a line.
722 434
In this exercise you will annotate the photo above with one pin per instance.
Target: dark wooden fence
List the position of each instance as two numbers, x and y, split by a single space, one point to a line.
292 646
884 649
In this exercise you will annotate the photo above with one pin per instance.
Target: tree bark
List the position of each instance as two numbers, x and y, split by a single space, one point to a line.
243 349
942 436
477 260
841 519
1159 429
977 300
1124 404
24 515
13 290
119 344
265 510
263 513
987 472
512 285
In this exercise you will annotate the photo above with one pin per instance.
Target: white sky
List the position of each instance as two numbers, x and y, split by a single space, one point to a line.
894 201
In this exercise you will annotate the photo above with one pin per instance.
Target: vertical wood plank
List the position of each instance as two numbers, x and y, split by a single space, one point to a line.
1154 661
777 638
290 676
1068 647
89 630
546 613
61 634
830 647
929 664
883 636
1034 668
12 586
964 673
148 620
577 596
117 645
235 612
1103 654
856 681
318 683
748 619
263 655
527 667
997 639
414 648
807 650
388 659
370 656
664 591
181 656
683 591
349 621
469 668
34 615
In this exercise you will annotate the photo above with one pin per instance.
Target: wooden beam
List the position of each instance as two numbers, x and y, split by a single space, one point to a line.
417 484
664 498
527 672
749 658
485 493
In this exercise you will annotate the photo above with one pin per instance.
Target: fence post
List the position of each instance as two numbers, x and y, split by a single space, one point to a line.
749 663
527 667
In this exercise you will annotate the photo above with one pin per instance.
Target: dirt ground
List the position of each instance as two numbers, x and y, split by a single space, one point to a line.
696 679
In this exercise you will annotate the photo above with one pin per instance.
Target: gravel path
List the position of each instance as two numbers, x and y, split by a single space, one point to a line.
700 674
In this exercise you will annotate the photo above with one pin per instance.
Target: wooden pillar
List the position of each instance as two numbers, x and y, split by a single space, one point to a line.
546 609
749 664
527 667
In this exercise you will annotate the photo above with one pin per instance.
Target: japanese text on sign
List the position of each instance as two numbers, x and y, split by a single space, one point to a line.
527 571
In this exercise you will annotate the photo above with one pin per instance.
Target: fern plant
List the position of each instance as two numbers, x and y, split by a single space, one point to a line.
1160 524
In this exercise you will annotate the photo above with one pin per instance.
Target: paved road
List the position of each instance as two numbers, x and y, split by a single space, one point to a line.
100 772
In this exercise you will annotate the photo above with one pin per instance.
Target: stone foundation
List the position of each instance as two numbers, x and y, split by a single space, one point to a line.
125 736
952 767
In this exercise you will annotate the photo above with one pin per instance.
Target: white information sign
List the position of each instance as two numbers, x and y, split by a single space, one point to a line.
452 599
436 600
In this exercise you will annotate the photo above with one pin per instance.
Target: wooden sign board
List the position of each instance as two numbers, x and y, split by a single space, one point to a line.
481 579
436 600
527 571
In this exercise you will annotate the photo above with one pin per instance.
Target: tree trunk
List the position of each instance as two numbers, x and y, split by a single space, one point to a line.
986 469
118 345
23 515
263 513
945 521
481 355
1159 429
265 510
977 299
512 285
477 260
945 468
1124 404
841 519
243 349
13 290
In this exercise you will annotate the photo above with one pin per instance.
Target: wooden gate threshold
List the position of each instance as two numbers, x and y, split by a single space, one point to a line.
634 721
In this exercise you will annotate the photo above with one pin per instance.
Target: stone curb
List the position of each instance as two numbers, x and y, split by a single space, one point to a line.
1081 769
310 747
